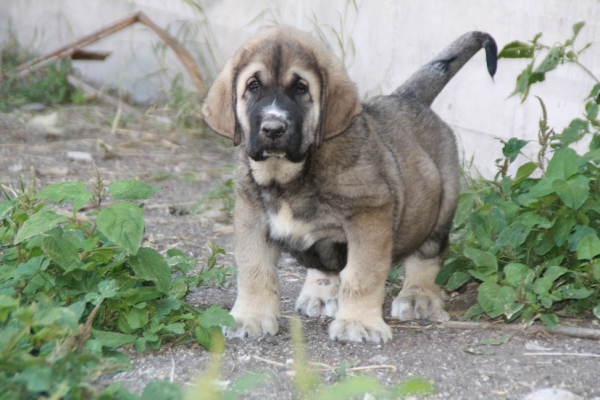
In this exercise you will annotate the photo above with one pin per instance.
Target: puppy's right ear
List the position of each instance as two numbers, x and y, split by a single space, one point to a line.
219 106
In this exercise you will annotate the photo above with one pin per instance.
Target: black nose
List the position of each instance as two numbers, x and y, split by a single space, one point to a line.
273 129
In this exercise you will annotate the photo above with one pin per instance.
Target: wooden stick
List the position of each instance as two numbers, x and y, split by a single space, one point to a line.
584 333
180 51
67 50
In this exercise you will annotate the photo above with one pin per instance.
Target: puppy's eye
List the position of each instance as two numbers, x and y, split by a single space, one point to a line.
253 85
301 87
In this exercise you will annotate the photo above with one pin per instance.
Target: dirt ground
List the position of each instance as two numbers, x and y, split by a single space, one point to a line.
188 164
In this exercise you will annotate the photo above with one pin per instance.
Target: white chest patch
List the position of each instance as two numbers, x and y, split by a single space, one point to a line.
284 226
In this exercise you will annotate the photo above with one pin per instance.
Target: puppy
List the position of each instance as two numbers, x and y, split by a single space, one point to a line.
346 188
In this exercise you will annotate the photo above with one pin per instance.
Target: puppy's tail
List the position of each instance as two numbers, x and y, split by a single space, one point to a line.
431 78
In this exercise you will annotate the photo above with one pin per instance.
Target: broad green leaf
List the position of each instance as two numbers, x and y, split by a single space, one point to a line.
40 222
596 311
474 311
573 192
550 320
37 378
515 274
131 190
544 284
572 292
150 265
177 328
579 233
561 230
516 49
573 133
597 272
523 173
216 316
108 289
577 27
457 280
482 259
493 298
466 202
7 305
591 110
6 207
31 267
563 165
551 61
112 340
588 247
206 337
137 318
123 224
512 148
531 219
57 316
62 251
595 93
66 191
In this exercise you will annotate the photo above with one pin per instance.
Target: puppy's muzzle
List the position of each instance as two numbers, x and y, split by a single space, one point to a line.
273 129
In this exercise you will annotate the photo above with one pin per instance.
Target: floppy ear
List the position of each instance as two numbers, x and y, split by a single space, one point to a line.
219 106
340 103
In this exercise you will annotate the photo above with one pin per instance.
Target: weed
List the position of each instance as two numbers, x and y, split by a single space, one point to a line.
533 242
48 85
75 286
222 194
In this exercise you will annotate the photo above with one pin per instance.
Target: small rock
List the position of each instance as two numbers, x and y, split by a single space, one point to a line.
33 107
79 156
552 394
46 124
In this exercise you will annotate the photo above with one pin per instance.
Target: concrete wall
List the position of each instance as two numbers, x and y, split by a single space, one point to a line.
381 41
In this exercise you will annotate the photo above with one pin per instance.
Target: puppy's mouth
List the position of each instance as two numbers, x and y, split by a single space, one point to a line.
273 153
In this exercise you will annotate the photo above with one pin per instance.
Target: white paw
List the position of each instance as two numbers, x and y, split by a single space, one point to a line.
252 326
417 303
319 295
375 330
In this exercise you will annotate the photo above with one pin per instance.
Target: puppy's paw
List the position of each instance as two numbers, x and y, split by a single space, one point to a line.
418 303
375 330
319 297
252 326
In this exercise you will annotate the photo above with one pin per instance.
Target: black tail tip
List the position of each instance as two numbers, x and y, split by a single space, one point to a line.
491 54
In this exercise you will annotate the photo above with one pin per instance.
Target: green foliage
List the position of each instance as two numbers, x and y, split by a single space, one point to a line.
47 85
223 194
559 53
533 241
74 287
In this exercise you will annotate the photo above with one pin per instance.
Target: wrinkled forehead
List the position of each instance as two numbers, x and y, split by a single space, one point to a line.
278 63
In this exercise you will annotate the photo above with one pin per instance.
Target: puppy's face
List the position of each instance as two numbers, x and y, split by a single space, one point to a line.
280 94
278 97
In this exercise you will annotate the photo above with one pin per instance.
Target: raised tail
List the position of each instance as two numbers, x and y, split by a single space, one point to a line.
430 79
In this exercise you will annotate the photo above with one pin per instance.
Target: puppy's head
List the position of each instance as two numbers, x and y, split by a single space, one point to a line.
281 93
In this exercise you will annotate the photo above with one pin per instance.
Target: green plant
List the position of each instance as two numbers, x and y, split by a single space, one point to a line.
222 194
74 286
533 241
47 85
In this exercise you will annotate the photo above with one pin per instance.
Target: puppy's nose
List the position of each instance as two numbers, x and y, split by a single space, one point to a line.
273 129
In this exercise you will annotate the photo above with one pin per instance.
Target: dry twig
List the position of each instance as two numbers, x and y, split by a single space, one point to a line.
572 331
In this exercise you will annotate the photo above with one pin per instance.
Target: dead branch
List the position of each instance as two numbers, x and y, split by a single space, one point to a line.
572 331
72 48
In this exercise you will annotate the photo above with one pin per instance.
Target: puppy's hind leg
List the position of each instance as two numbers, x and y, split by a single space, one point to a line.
319 295
420 297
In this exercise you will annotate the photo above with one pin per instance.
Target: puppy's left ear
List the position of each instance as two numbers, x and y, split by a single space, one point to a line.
219 106
340 103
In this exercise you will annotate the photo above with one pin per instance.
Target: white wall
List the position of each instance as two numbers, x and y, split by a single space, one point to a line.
384 42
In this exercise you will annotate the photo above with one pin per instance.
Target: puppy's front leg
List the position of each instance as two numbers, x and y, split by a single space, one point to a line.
257 305
362 288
